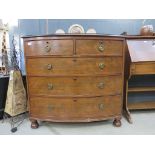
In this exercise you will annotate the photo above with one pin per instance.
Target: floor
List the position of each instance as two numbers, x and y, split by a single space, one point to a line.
143 124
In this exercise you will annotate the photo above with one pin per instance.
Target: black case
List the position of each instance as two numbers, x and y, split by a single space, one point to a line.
3 93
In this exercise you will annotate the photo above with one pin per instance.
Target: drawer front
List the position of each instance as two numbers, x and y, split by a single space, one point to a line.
49 47
99 47
68 86
143 68
80 109
74 66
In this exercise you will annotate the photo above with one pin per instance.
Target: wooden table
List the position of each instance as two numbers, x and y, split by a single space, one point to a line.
140 61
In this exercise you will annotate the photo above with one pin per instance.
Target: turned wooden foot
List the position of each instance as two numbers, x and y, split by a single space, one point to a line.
117 122
34 124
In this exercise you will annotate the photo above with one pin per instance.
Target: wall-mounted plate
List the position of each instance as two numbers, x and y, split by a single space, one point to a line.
91 31
59 31
76 28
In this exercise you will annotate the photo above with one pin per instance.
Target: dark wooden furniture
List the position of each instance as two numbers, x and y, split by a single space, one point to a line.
3 92
74 78
140 60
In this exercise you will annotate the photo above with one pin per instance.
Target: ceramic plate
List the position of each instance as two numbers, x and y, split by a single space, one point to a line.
76 28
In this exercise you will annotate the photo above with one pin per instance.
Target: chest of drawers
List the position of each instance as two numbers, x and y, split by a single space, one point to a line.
74 78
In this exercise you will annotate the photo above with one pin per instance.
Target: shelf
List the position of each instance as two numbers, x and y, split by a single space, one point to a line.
141 89
141 105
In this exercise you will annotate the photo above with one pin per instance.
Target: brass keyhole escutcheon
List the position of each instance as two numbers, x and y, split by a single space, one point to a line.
49 66
101 46
101 65
101 85
50 86
47 48
101 106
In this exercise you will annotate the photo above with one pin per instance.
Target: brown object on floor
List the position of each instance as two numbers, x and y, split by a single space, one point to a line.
74 78
140 60
16 102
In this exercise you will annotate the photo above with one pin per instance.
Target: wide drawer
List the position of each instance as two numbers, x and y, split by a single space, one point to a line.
99 47
49 47
75 109
67 86
142 68
74 66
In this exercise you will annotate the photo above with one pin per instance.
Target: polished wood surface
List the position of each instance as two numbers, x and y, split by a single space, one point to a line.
140 60
109 85
142 68
99 47
75 79
142 50
75 109
141 89
74 66
141 105
49 47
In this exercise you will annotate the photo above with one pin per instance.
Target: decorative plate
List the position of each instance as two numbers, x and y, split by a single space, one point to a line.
91 30
76 28
60 31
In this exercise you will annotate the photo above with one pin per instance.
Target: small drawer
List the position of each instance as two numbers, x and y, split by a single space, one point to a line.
75 86
74 66
49 47
99 47
75 109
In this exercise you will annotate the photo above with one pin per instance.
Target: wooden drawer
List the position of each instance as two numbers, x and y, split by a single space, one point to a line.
99 47
142 68
74 66
49 47
75 109
67 86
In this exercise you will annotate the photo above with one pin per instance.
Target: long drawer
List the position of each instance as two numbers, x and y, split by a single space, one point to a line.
68 86
142 68
49 47
74 66
75 109
99 47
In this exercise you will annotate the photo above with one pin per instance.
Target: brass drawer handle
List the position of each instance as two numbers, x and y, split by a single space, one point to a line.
101 85
49 66
101 46
101 65
50 86
47 49
101 106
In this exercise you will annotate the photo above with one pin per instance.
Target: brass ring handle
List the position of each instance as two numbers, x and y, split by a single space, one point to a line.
101 47
49 66
101 106
101 65
47 48
101 85
50 86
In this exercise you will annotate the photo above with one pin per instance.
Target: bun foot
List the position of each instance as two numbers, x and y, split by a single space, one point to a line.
34 124
117 122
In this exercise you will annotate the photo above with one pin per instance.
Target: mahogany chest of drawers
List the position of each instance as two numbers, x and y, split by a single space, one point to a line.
74 78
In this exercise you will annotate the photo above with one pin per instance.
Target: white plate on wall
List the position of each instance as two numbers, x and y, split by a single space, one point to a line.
91 31
59 31
76 28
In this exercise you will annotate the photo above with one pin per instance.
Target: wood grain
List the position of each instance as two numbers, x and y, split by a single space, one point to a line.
75 108
110 85
74 78
57 47
91 47
74 66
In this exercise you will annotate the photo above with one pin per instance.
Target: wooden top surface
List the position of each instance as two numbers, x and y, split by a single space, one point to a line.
141 50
